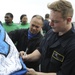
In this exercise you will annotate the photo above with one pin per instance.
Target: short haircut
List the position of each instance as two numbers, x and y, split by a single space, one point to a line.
38 16
22 17
46 15
10 14
63 6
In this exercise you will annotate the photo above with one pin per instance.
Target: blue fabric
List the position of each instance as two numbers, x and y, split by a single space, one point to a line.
4 47
22 71
5 50
30 35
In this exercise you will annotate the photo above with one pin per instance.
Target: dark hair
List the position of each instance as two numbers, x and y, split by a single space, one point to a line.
39 17
11 15
22 17
46 15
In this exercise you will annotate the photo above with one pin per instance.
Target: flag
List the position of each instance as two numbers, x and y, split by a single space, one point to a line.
10 61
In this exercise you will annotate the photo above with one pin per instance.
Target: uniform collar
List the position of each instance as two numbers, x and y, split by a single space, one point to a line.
64 39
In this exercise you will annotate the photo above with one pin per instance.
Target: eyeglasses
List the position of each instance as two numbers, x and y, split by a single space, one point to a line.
35 26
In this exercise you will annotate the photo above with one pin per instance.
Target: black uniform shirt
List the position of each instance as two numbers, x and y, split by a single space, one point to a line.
58 53
20 37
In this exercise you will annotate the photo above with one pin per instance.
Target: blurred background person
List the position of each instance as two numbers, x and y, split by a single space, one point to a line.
24 22
9 25
46 25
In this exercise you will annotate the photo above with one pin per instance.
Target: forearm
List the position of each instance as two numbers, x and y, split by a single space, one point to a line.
33 56
33 72
40 73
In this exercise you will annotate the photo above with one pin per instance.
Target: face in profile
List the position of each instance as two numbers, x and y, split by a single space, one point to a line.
57 23
35 25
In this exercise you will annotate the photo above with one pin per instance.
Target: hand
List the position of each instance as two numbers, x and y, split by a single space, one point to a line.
31 72
23 55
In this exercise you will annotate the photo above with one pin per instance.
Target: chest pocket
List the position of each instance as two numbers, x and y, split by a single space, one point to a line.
55 61
58 55
55 56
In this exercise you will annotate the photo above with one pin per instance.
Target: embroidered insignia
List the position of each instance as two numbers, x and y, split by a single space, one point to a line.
58 56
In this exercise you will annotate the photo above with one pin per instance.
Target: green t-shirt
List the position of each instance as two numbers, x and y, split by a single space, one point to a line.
10 27
24 26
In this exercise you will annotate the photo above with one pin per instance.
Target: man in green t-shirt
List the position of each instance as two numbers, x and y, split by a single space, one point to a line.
9 25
